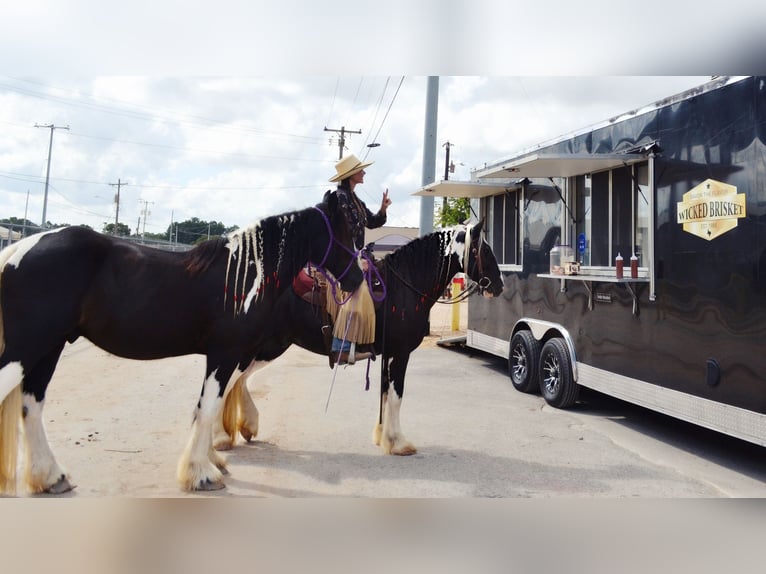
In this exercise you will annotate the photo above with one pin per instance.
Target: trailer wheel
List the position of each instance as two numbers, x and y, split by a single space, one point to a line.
556 381
523 358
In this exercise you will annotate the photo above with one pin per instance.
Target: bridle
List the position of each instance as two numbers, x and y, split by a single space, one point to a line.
474 286
484 282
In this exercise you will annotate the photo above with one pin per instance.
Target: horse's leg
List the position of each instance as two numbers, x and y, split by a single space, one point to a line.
200 466
43 472
392 439
377 431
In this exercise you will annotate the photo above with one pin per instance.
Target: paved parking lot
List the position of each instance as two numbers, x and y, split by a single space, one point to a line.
119 427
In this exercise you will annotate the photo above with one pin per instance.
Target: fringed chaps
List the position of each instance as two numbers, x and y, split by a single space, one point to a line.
360 308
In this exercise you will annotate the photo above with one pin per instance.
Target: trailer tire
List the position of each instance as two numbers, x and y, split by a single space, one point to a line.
557 383
523 358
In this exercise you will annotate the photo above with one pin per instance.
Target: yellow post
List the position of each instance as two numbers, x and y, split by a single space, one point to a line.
456 288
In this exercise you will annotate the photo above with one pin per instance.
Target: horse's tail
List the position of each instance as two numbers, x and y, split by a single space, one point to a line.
5 255
231 406
10 403
10 414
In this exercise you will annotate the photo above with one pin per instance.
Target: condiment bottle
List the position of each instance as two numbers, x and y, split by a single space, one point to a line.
634 266
618 262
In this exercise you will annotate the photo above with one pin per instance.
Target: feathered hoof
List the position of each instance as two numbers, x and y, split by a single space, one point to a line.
404 450
61 486
209 485
223 444
398 447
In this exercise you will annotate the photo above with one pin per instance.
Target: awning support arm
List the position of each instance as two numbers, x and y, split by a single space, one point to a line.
561 195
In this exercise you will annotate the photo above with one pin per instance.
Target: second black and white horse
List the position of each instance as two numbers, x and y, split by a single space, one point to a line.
415 277
142 303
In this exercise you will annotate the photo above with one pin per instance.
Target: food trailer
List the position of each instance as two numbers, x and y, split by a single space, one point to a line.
634 259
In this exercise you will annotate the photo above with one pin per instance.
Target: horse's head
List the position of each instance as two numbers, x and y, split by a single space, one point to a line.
479 262
336 249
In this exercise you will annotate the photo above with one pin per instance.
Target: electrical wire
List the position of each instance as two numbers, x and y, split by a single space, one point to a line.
383 121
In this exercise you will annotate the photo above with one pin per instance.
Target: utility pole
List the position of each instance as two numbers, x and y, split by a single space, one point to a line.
146 213
342 141
446 173
48 171
117 203
429 154
446 161
24 225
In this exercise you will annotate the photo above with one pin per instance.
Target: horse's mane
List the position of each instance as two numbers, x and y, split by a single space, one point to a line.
267 254
426 257
427 247
271 229
198 259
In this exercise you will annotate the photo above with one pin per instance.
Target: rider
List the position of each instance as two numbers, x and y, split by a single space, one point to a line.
354 321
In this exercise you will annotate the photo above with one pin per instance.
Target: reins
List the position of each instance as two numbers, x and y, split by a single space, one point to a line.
463 295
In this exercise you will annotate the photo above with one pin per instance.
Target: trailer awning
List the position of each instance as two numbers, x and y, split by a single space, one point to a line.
556 165
471 189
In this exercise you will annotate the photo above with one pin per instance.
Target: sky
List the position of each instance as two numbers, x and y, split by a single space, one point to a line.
222 114
237 149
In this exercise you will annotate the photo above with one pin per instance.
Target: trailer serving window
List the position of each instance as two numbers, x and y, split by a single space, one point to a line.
612 214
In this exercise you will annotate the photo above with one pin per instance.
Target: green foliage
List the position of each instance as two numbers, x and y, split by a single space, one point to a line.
454 210
122 229
17 221
195 230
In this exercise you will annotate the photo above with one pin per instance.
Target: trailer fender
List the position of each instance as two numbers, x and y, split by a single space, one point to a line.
544 330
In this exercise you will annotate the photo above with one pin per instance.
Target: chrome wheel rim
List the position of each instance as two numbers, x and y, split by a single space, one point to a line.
551 371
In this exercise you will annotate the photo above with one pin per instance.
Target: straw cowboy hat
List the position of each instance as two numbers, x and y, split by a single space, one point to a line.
348 166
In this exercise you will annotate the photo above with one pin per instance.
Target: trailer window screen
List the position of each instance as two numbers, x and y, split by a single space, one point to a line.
613 213
503 227
622 213
599 241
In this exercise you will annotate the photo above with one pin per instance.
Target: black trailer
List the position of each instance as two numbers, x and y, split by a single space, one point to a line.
680 184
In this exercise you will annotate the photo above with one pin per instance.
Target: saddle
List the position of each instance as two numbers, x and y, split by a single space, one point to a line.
312 287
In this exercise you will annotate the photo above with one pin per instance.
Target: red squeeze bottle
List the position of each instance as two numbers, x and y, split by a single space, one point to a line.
634 266
619 264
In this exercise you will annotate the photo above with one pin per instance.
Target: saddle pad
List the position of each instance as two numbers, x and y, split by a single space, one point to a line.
303 283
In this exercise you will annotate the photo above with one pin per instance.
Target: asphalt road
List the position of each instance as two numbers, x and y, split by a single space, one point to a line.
119 427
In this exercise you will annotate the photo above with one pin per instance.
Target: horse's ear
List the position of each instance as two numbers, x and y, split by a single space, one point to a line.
476 230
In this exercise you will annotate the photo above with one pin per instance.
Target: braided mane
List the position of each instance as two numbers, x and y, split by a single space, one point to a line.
267 255
425 261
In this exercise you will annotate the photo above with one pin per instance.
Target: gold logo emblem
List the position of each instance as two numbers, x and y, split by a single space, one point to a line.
711 209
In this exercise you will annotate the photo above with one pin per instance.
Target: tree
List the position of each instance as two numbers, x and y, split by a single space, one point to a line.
195 230
454 210
122 229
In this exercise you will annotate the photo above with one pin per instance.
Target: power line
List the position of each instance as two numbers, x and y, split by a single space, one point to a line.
383 121
151 114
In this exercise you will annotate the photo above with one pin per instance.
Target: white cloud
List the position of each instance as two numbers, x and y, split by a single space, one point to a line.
235 149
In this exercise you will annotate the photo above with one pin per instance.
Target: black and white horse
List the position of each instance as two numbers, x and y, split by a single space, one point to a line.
142 303
415 277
